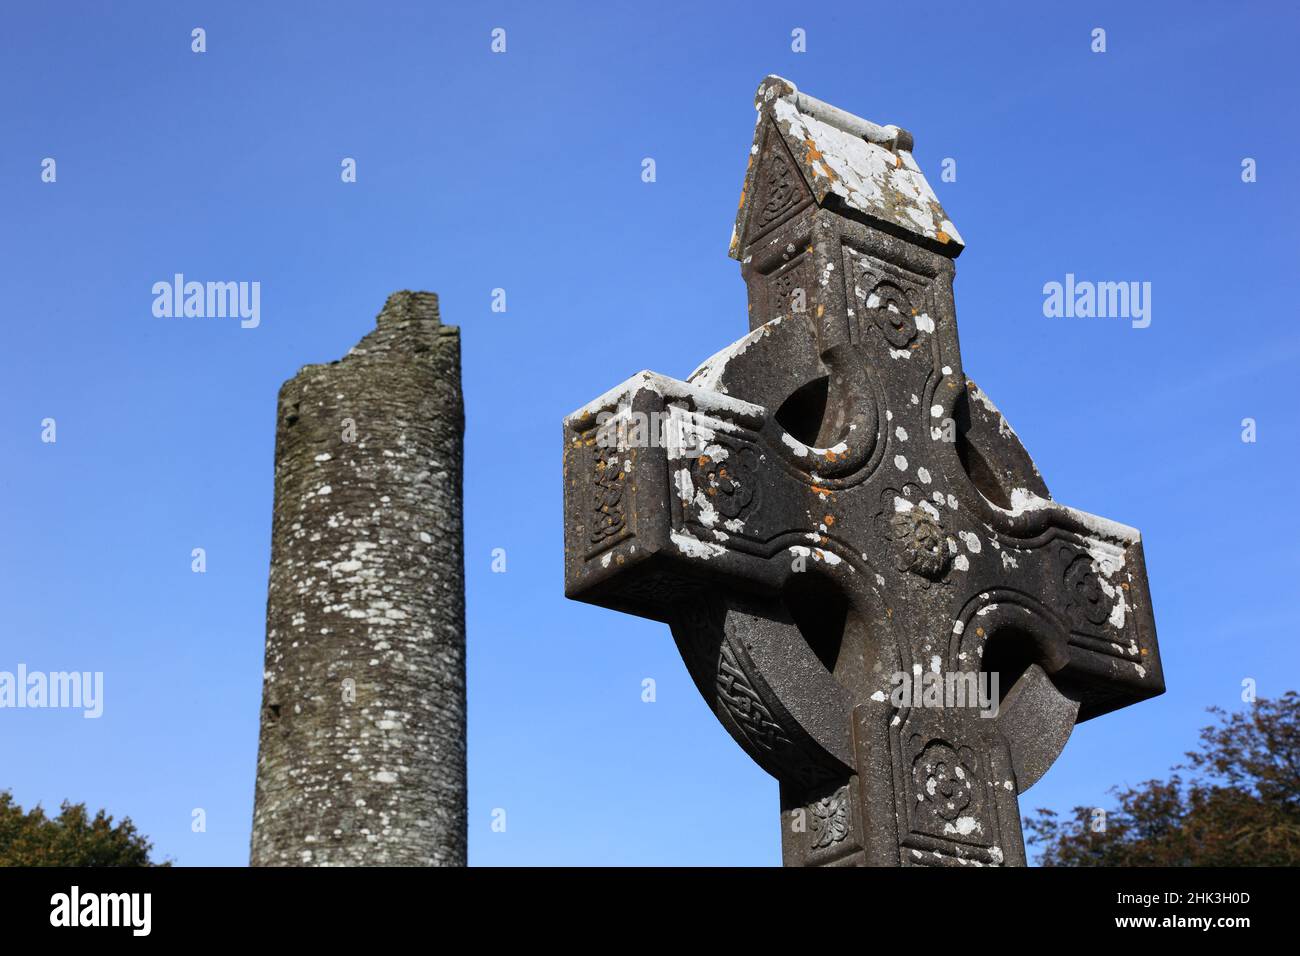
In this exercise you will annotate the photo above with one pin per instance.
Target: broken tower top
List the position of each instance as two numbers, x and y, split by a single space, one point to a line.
407 306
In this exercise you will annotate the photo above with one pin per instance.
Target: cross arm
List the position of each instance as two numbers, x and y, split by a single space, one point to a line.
632 460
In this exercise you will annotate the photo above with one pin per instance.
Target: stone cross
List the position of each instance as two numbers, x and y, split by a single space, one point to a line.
361 758
846 537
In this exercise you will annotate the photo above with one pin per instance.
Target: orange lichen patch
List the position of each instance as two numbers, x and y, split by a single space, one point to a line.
712 491
979 632
813 157
942 236
703 459
828 520
1143 652
1124 585
831 456
822 491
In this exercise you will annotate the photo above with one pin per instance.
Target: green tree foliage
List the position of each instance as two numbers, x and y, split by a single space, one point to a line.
70 839
1235 803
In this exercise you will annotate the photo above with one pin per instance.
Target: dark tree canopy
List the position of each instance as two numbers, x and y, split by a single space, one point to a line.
71 839
1236 802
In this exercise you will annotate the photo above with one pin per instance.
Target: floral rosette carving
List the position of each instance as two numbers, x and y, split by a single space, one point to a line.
915 528
891 309
830 819
944 778
726 477
1085 595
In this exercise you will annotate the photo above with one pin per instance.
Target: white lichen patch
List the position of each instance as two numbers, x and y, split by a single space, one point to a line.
817 554
704 400
693 547
964 825
794 444
869 177
709 374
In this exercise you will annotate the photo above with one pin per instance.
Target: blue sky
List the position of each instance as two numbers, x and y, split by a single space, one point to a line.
522 171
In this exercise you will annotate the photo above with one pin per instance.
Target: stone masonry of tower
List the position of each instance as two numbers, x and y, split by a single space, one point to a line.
361 757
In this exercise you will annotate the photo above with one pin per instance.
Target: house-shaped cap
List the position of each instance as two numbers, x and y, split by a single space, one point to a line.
808 152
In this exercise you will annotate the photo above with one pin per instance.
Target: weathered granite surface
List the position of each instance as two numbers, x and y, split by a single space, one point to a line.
830 510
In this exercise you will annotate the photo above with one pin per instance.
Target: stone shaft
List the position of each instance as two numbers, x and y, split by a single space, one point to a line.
361 757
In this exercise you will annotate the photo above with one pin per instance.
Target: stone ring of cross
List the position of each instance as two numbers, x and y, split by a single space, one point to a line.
866 576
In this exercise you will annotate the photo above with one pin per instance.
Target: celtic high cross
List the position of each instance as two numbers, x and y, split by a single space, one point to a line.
829 509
